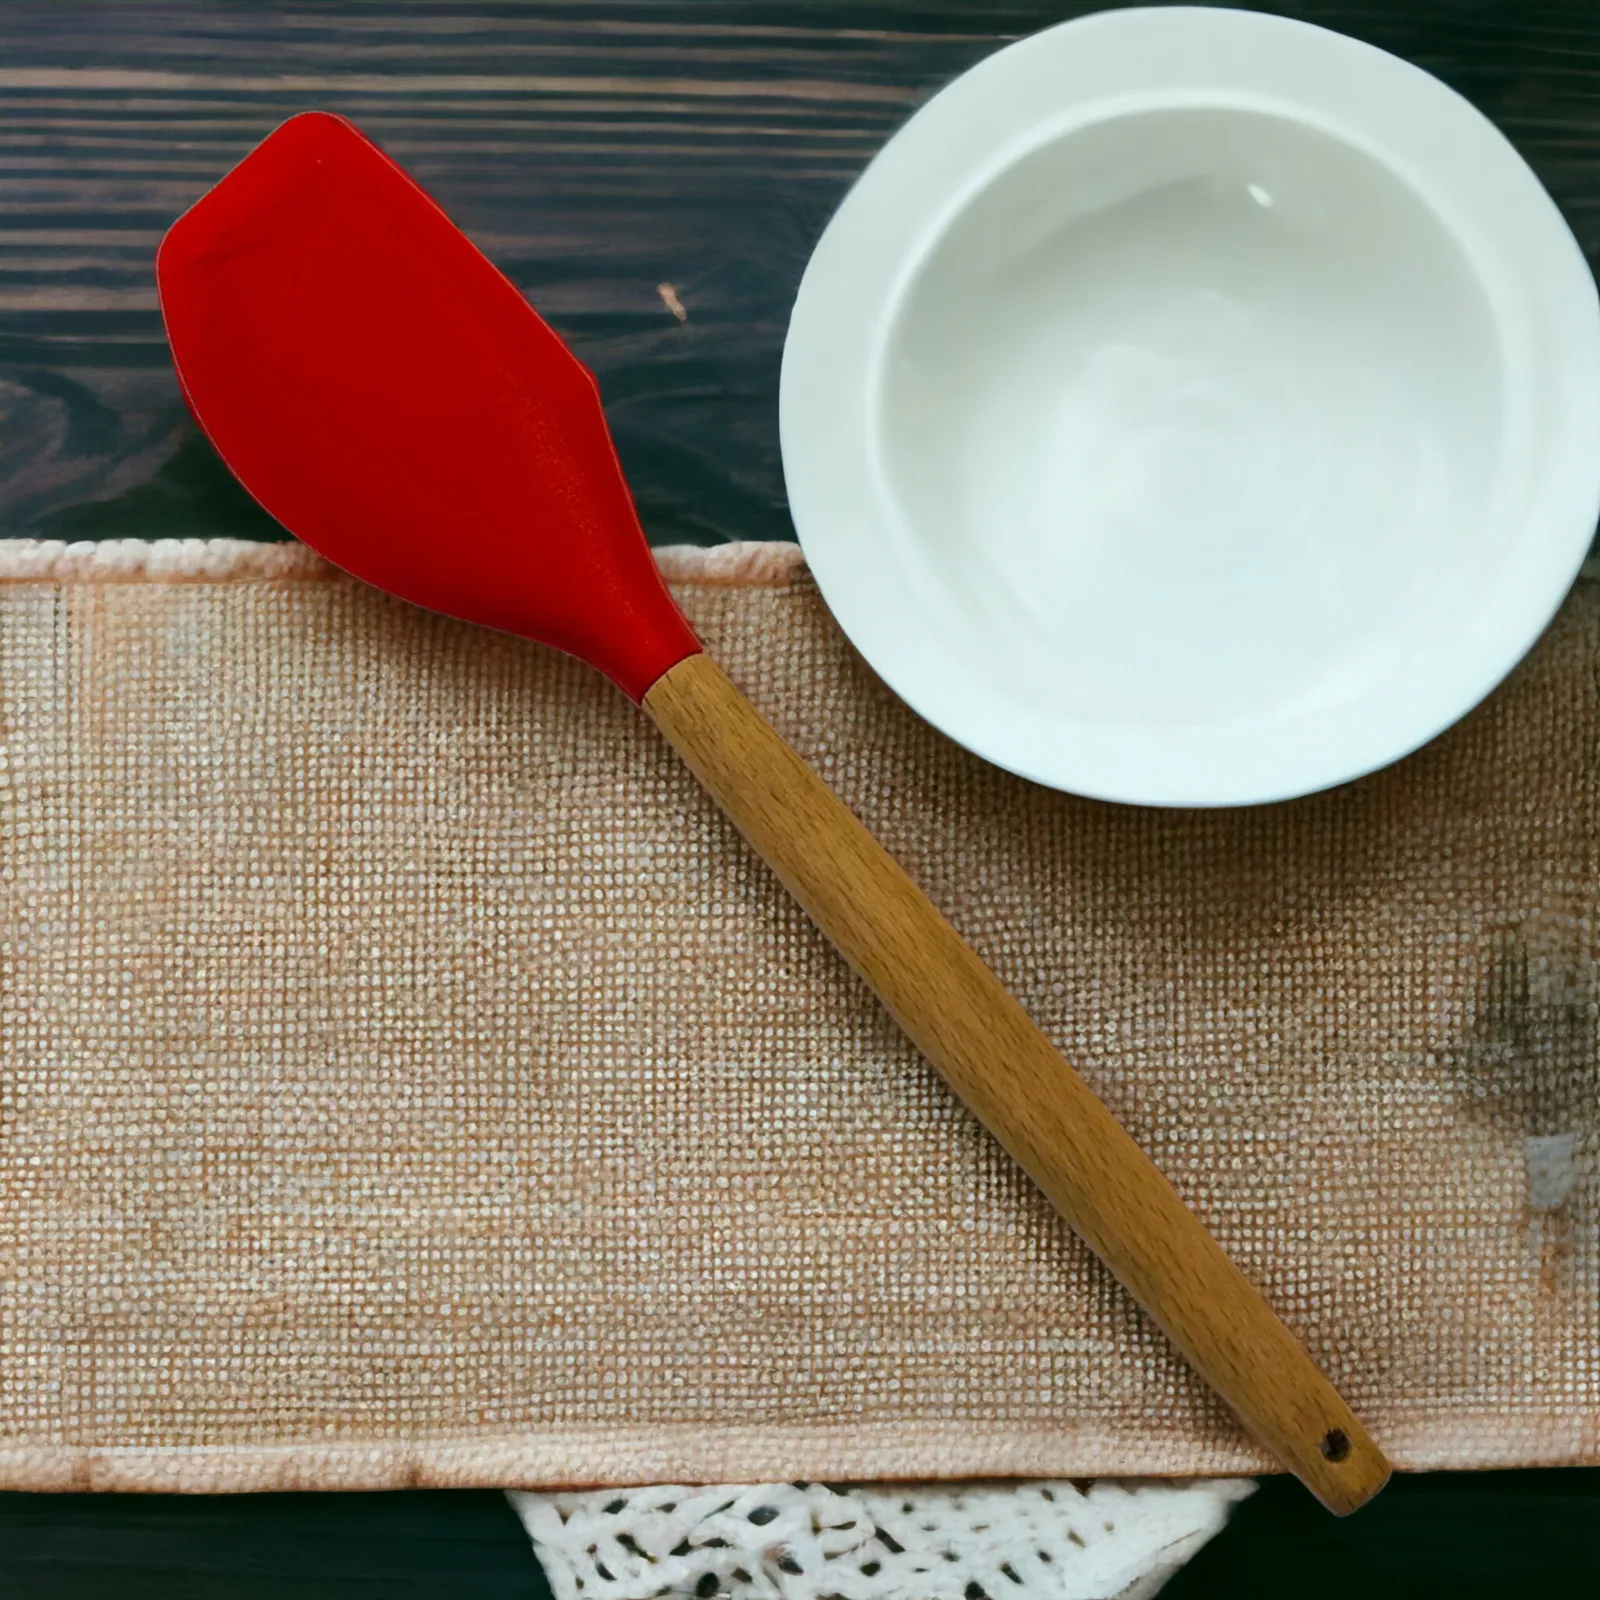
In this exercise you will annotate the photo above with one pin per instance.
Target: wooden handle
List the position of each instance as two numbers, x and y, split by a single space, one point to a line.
990 1053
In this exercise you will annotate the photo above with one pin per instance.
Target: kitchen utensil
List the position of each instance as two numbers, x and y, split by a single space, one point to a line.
1216 397
392 399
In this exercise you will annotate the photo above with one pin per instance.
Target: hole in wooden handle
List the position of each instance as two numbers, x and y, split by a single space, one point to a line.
1335 1444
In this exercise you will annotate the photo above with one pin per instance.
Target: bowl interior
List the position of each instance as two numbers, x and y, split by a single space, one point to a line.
1184 414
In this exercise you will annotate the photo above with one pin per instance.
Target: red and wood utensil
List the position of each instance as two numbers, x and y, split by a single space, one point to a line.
391 399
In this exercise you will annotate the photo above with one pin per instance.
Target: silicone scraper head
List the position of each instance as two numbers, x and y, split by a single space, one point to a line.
392 400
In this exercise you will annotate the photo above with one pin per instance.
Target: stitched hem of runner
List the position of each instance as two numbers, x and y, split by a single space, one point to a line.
692 1453
753 563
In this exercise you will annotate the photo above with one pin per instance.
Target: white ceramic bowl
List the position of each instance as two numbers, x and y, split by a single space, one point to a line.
1194 407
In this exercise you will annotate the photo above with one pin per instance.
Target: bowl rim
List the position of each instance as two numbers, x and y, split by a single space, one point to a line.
1512 237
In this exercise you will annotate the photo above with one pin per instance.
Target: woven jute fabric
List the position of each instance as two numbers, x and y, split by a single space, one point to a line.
409 1077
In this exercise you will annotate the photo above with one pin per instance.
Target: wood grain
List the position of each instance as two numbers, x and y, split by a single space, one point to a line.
959 1014
597 149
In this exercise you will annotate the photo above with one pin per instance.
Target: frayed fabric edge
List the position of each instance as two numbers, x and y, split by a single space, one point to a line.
753 563
884 1452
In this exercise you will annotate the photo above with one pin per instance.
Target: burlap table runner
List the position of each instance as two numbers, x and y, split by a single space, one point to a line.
408 1077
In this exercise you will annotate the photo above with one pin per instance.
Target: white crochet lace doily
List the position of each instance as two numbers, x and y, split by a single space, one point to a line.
875 1542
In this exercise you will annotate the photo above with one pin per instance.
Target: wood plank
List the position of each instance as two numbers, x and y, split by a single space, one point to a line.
420 1546
596 150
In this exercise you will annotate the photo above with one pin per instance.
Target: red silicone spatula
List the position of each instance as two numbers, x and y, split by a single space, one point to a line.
386 394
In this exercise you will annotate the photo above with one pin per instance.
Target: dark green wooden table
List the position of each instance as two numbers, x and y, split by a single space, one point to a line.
653 174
